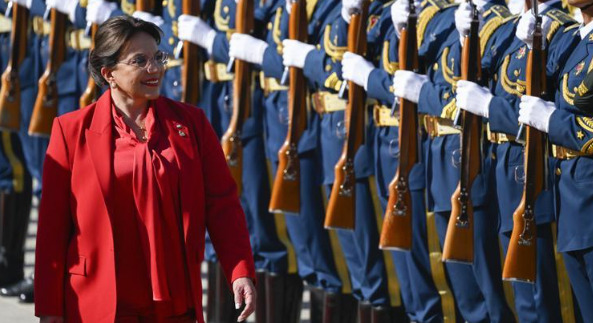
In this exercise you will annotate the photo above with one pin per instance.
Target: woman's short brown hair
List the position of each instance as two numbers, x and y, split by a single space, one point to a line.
112 37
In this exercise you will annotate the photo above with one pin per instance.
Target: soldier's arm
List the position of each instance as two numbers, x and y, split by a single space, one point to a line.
572 131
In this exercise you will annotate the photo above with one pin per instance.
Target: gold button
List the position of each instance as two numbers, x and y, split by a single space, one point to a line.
436 66
446 95
171 41
495 77
178 126
225 9
493 155
165 3
270 26
516 72
328 68
318 46
182 134
558 171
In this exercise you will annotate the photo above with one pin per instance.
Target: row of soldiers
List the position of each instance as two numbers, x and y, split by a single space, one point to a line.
349 277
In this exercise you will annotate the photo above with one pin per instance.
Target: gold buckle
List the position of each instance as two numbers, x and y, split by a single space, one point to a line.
40 26
438 127
216 72
270 84
383 118
78 40
563 153
326 102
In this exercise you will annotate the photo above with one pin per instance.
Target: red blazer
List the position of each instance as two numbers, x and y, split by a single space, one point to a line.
74 261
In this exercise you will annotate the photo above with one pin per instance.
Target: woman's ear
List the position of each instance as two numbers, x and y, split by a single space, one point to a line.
107 74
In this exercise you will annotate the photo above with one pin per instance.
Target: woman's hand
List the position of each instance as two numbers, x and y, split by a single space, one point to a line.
244 290
51 319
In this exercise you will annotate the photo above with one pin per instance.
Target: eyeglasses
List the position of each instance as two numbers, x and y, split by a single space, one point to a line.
160 59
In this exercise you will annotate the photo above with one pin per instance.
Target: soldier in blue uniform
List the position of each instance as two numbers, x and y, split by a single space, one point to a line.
569 130
321 66
15 189
281 298
505 61
420 296
477 288
329 300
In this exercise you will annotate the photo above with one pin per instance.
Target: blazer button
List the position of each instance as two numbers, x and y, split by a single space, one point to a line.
178 126
182 134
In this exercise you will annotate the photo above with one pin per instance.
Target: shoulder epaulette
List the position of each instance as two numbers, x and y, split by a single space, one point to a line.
513 17
333 82
495 17
311 4
440 4
127 7
426 16
277 32
559 19
332 50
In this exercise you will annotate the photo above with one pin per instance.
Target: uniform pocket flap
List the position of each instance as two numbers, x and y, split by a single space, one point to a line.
77 266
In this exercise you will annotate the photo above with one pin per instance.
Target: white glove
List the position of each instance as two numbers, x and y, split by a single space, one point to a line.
536 112
195 30
350 7
288 6
463 19
408 84
399 15
98 11
356 69
64 6
24 3
247 48
295 53
527 24
143 15
473 98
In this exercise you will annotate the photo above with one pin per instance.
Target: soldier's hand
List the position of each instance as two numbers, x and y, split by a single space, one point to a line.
295 52
247 48
64 6
400 11
408 84
350 7
195 30
463 19
526 26
356 69
473 98
536 112
244 291
288 6
146 16
24 3
98 11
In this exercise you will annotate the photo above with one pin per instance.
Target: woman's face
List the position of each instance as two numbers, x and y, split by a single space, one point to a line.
139 72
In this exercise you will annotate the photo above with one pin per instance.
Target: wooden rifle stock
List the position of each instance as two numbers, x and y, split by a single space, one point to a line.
191 70
341 208
231 140
46 103
91 92
145 5
459 240
520 261
287 188
10 93
397 224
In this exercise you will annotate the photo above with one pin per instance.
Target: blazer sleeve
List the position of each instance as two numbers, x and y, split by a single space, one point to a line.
54 227
225 220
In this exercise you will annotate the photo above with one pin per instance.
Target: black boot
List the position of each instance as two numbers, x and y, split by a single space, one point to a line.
364 312
317 296
27 293
226 312
260 301
14 221
284 296
211 293
17 288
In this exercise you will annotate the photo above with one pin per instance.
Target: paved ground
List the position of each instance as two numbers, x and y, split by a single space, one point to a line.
11 311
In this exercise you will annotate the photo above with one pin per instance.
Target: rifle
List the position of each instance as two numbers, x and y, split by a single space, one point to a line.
10 93
231 140
46 103
145 5
286 190
90 94
341 207
397 224
190 72
520 262
459 240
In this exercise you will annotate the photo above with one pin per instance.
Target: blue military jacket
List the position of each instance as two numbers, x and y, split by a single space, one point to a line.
571 128
506 61
323 70
441 52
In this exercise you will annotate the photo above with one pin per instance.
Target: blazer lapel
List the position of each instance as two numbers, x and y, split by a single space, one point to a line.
180 138
99 141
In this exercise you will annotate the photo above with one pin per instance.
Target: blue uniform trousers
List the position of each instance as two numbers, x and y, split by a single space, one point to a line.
579 265
538 302
478 287
363 257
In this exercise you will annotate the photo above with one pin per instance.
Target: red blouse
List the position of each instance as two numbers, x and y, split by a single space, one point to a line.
147 227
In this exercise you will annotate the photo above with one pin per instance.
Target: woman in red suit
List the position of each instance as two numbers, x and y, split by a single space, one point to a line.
131 183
